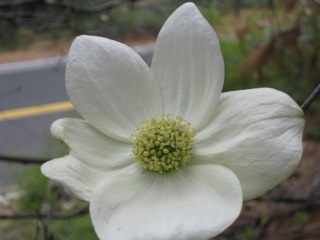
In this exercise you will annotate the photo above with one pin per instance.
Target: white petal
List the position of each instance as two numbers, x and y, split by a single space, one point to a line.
80 178
257 134
76 176
110 85
91 146
93 157
196 202
189 66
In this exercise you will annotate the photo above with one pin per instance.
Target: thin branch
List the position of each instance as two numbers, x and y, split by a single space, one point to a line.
73 6
310 200
311 98
22 160
80 9
9 3
20 216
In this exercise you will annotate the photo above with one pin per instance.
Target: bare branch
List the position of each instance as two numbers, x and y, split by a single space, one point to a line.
10 3
80 9
311 200
81 212
311 98
71 5
12 159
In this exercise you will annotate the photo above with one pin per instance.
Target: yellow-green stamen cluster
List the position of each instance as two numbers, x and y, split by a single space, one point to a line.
163 144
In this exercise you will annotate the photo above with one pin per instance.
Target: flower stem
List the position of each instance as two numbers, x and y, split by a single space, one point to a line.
311 98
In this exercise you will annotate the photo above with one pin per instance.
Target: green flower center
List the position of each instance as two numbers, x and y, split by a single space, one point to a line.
163 144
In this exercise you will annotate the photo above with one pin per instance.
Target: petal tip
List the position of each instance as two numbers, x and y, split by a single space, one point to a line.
57 128
300 112
82 38
83 43
188 4
189 9
79 40
45 169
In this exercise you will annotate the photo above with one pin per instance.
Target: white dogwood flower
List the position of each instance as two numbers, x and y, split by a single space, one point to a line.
161 153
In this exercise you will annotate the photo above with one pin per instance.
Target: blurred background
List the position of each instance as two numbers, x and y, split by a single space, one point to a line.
267 43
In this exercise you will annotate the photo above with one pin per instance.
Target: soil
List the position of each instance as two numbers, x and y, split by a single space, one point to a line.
40 48
44 47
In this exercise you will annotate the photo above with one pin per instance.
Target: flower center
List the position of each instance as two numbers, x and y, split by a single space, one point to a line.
164 143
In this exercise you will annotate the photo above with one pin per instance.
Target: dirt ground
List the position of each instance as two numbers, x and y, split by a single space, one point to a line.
40 48
46 47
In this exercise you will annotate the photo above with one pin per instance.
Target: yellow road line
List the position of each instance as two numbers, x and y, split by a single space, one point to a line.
35 110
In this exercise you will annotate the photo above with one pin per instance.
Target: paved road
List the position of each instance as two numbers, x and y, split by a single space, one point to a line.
29 84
